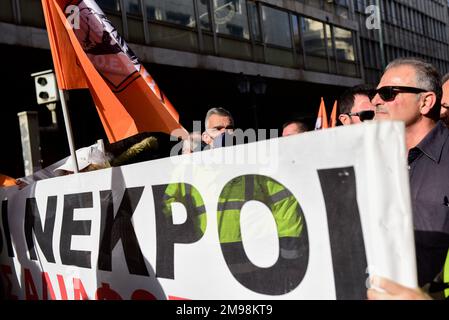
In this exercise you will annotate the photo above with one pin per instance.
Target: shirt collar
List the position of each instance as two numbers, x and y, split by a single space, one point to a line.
433 143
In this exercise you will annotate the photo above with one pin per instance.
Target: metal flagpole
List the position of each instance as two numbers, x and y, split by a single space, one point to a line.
68 129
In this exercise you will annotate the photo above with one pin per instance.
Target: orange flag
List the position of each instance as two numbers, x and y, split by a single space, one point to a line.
6 181
88 52
69 74
321 120
334 115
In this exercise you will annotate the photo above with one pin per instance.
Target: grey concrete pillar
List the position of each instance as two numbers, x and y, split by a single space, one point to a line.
29 134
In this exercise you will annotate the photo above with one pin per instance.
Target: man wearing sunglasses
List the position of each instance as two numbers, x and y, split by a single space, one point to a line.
410 91
355 105
218 121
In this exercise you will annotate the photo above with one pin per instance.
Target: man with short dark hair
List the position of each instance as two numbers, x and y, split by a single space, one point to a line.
410 91
294 126
355 105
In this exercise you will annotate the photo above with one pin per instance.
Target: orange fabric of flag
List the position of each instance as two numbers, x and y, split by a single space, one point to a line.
321 120
6 181
334 115
69 74
127 99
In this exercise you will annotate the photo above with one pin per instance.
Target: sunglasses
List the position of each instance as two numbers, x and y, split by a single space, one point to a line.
389 93
363 115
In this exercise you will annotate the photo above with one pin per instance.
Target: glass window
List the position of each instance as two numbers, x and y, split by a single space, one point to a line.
203 10
342 8
254 21
343 3
386 9
31 13
420 24
135 24
133 7
174 11
6 13
404 15
313 34
393 13
296 36
297 40
406 20
362 4
231 18
276 27
365 51
109 5
357 6
398 12
330 49
383 10
344 44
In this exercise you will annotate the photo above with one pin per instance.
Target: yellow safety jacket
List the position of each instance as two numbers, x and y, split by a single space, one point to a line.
290 267
446 276
185 193
286 210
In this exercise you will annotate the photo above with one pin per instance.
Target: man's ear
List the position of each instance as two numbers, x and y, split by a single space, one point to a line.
428 101
344 119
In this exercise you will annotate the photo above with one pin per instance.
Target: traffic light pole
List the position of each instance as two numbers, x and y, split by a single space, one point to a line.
68 128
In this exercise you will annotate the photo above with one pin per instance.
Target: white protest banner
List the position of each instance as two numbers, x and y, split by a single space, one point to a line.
302 217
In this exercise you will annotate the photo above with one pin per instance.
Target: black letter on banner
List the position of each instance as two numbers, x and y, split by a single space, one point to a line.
6 228
44 236
75 228
290 268
345 232
167 233
120 228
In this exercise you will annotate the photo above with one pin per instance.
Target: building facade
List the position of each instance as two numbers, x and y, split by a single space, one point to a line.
265 61
417 28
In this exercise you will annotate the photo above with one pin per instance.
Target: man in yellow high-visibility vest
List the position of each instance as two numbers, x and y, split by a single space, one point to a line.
290 267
